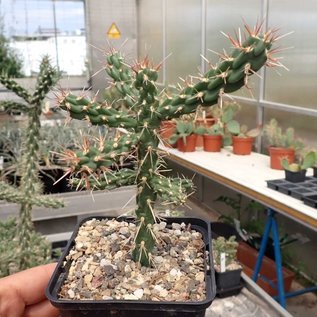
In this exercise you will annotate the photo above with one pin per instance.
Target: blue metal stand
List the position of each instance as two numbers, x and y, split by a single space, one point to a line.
271 224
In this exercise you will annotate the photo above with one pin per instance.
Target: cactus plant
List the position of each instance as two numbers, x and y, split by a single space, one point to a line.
28 194
147 108
229 247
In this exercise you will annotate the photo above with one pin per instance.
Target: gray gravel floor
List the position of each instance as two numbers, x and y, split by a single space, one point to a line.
245 304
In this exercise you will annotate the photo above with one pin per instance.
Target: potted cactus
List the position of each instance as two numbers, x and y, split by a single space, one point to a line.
296 172
227 268
90 168
242 138
212 138
185 135
282 144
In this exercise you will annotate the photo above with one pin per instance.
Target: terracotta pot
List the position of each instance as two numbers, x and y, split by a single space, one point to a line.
212 143
190 144
279 153
242 146
200 122
167 128
247 256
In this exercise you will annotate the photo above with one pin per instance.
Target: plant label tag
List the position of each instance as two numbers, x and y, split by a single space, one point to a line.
1 163
222 262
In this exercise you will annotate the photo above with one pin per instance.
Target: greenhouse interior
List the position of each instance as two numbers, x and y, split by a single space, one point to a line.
158 157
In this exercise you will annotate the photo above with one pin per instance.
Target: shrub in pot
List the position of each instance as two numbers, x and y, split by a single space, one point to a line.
282 144
296 172
90 168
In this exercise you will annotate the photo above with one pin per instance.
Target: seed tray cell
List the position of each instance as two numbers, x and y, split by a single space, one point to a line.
311 200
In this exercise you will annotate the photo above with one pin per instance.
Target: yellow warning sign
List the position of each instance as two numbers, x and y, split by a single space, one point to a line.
113 32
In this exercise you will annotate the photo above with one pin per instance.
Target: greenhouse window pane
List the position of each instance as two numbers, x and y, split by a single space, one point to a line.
183 28
298 85
45 27
150 31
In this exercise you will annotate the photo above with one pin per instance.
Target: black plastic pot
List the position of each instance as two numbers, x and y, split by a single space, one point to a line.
131 308
228 279
295 177
315 171
225 230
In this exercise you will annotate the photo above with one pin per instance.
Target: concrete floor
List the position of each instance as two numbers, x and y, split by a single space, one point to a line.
247 304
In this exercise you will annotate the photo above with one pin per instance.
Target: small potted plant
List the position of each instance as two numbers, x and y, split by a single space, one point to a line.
227 267
242 138
296 172
212 138
185 135
202 119
282 144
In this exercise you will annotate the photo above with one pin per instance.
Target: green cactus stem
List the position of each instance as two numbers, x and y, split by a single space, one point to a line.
28 193
146 110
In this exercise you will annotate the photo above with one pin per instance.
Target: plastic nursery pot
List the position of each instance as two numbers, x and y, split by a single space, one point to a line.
228 279
132 308
295 177
167 128
212 143
203 122
267 278
277 154
242 146
225 230
189 145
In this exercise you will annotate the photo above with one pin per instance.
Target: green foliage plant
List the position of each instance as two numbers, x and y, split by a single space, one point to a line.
29 192
10 63
147 108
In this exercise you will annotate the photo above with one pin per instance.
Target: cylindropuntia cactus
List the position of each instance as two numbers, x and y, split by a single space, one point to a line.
137 86
28 194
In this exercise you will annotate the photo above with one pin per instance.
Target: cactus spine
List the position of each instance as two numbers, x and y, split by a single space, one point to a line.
137 86
28 193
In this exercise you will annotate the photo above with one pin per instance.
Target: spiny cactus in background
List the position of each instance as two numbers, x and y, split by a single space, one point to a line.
148 107
28 194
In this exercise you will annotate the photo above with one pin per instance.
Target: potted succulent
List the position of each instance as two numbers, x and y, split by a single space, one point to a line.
242 138
227 267
100 270
282 144
212 138
296 172
167 129
202 119
185 135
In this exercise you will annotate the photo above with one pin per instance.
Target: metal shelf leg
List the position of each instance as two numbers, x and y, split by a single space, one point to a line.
271 224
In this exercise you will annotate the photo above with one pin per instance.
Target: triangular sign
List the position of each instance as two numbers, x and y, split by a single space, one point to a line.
113 32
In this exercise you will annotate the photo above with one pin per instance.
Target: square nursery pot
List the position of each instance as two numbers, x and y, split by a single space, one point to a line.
267 278
295 177
228 279
134 307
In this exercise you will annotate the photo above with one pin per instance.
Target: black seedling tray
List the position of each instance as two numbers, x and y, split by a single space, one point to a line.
305 191
133 308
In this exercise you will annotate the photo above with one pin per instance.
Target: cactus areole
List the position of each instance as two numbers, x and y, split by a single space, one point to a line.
146 108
